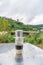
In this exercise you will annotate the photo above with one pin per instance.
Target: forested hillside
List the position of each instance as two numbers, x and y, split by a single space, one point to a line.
7 24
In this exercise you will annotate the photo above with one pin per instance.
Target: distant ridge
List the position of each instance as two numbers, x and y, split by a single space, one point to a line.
10 24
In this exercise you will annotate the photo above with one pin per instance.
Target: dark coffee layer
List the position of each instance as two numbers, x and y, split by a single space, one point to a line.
19 47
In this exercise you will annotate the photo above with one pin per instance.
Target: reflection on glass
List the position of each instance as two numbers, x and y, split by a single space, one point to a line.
19 60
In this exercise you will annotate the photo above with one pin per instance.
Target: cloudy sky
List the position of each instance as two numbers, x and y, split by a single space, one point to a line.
27 11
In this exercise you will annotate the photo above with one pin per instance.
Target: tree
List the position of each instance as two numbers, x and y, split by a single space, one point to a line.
5 24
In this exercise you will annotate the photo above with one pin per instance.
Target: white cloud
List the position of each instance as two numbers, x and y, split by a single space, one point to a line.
37 20
0 3
24 10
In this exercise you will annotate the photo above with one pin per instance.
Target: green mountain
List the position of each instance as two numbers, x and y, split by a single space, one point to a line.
7 24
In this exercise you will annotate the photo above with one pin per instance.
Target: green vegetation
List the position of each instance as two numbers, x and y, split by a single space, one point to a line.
7 38
8 25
